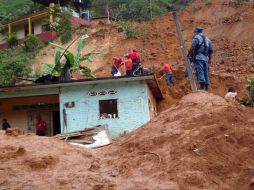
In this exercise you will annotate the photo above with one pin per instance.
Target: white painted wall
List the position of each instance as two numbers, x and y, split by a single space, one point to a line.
2 39
38 26
19 30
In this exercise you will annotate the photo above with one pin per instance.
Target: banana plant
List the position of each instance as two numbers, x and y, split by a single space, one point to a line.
75 60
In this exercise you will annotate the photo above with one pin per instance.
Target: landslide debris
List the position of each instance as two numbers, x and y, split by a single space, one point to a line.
202 142
31 162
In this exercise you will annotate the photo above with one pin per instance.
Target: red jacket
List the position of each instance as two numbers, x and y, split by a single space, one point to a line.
128 64
135 57
132 55
41 126
117 62
167 68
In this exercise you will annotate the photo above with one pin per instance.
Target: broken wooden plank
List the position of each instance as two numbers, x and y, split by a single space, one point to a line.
80 141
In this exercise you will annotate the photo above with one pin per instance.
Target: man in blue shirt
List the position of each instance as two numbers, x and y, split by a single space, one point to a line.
5 125
201 52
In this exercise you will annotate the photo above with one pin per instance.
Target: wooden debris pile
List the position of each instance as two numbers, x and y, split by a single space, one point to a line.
13 132
82 137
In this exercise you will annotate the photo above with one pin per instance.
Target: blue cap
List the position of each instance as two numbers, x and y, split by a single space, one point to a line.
198 29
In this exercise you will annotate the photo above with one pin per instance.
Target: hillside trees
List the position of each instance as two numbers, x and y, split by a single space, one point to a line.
15 8
14 64
139 10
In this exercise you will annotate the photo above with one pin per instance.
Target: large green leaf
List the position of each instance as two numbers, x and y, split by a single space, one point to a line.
81 45
86 58
56 45
49 68
57 57
86 71
71 58
95 53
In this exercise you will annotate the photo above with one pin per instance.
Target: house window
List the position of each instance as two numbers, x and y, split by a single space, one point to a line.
108 109
45 28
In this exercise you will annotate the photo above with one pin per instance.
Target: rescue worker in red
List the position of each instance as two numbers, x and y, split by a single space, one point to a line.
117 62
135 57
40 126
168 72
128 65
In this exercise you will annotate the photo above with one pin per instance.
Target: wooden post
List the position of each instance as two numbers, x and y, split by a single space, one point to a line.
9 28
51 18
184 53
29 26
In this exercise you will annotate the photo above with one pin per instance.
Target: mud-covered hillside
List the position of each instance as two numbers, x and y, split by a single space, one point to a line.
228 25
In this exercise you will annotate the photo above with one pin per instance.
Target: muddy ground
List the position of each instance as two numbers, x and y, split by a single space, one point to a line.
198 141
202 142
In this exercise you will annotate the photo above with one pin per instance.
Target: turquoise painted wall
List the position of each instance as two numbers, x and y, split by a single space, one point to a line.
132 105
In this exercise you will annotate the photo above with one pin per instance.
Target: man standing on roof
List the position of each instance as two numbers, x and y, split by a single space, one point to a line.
128 65
201 53
135 57
117 62
168 72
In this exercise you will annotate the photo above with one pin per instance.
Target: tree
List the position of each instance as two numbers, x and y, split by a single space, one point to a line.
15 8
11 71
63 24
75 60
140 10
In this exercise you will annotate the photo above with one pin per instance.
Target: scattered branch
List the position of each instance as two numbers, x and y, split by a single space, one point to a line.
147 152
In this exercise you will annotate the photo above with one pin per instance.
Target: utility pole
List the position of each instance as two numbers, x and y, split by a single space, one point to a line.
184 53
151 12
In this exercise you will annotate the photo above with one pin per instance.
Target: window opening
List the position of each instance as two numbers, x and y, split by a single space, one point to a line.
112 92
92 93
108 109
103 93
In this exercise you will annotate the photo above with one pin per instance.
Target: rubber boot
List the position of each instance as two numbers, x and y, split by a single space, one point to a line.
202 86
206 87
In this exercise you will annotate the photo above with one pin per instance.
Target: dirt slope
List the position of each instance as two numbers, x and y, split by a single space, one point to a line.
160 154
30 162
228 25
202 142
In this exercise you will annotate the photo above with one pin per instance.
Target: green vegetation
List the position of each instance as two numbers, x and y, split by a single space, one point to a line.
14 63
63 24
31 43
11 39
75 60
250 88
139 10
14 8
129 30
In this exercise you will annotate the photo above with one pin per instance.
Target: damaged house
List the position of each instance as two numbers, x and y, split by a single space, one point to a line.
123 103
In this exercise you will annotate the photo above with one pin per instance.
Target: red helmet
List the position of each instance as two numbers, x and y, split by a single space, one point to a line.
134 49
